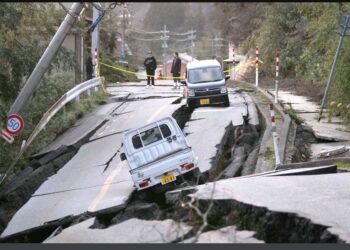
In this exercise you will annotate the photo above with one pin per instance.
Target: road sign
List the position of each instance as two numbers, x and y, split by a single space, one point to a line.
14 124
6 136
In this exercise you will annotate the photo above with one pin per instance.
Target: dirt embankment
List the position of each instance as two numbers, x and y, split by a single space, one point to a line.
296 85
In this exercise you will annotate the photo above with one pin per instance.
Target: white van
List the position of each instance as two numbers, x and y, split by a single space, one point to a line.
157 153
205 84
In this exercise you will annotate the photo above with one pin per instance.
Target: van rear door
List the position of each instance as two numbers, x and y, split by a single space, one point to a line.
154 142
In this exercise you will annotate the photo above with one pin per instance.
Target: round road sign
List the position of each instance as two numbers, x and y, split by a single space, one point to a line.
14 124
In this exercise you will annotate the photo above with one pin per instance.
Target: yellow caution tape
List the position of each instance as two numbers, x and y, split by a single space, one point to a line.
100 78
164 77
136 73
238 67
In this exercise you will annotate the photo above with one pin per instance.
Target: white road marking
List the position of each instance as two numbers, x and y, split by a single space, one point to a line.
104 189
109 181
156 113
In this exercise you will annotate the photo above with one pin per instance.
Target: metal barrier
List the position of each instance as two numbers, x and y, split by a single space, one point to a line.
67 97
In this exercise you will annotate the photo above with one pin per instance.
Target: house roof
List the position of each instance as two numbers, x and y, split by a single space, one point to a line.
184 57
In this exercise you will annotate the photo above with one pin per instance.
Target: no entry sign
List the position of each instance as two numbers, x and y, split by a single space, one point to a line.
14 124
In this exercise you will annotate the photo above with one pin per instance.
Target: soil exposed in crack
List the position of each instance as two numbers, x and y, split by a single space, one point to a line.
238 141
136 207
270 226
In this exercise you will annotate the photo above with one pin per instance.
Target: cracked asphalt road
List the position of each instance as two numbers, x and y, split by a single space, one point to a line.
95 178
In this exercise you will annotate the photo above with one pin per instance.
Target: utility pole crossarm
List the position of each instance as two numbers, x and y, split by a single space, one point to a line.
46 58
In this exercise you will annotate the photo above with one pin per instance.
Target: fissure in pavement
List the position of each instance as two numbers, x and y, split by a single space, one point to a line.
150 206
12 200
156 208
270 226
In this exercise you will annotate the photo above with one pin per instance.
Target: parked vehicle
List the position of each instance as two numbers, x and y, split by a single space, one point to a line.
205 84
157 153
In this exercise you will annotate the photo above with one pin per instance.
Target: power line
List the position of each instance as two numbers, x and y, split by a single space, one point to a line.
180 40
145 32
145 39
180 34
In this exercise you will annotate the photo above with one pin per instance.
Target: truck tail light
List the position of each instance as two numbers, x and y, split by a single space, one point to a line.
187 166
144 183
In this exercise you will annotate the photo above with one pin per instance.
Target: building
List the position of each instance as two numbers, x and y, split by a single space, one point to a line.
231 61
77 43
185 58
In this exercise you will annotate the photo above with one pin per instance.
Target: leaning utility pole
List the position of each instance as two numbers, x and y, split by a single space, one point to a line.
46 58
345 22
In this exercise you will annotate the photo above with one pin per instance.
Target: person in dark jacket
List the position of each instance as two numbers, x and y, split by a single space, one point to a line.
89 68
151 65
175 70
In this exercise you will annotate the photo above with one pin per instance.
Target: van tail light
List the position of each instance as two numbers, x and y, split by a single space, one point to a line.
187 166
144 183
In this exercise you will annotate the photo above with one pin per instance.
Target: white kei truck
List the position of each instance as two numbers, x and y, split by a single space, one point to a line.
157 153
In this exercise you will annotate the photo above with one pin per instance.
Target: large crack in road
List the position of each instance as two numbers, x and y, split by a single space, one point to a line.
9 197
235 154
146 205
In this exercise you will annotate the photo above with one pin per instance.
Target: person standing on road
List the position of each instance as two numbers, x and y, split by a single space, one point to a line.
175 70
151 65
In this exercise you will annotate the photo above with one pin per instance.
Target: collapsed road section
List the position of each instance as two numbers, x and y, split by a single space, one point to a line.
284 206
83 183
115 178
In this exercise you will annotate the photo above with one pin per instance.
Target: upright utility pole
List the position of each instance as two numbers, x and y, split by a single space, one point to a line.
46 59
123 32
164 37
95 41
257 67
218 45
215 45
212 47
192 37
277 75
345 21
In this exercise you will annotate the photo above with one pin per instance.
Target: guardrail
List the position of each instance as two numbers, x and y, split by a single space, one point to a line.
67 97
72 94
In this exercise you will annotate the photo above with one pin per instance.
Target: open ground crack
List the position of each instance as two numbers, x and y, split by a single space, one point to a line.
155 210
270 226
40 233
127 99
